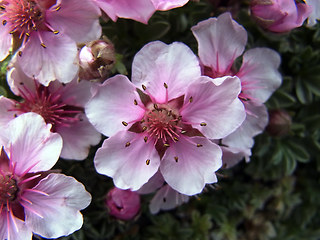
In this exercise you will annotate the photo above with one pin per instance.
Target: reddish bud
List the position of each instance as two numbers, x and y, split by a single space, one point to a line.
279 123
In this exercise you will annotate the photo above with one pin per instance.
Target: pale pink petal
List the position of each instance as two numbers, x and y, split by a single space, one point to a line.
5 41
315 14
58 207
215 108
157 63
254 124
6 115
129 166
165 5
220 41
195 166
112 103
155 182
139 10
56 61
78 138
166 199
231 156
259 73
79 21
17 228
31 143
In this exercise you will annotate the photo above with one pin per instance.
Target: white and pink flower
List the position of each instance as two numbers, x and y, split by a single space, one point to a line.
139 10
164 120
220 42
61 105
34 199
48 32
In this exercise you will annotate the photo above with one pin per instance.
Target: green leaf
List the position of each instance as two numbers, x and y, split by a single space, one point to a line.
298 152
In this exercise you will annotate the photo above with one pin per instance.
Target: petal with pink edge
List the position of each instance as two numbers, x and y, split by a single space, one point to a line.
17 228
259 73
113 103
6 115
129 166
166 199
56 202
232 156
254 124
164 5
56 61
78 138
79 21
157 63
30 144
155 182
190 163
315 14
220 41
5 41
215 110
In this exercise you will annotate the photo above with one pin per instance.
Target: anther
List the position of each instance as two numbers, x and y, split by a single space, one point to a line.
12 32
156 106
166 145
203 124
43 45
144 128
27 34
56 32
169 113
165 85
144 87
199 145
183 131
58 8
124 123
148 161
135 102
145 139
4 22
191 99
127 144
2 7
176 159
176 139
20 53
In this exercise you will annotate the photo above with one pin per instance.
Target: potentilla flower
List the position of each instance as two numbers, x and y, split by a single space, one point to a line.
280 15
139 10
48 32
220 41
163 120
123 204
61 105
34 198
315 11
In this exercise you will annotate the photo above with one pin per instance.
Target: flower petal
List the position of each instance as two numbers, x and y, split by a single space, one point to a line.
166 199
56 61
315 14
155 182
215 109
78 138
157 63
6 115
165 5
259 73
58 207
5 42
129 166
30 143
79 21
17 228
194 167
113 103
220 41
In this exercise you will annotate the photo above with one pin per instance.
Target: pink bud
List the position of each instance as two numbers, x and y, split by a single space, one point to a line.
279 15
123 204
96 59
279 123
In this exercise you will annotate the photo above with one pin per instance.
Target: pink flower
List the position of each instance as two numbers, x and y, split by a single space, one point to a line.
49 31
315 13
139 10
279 15
123 204
163 120
59 104
220 41
33 198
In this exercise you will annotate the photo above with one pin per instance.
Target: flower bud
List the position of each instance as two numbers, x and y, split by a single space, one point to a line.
123 204
96 59
279 15
279 123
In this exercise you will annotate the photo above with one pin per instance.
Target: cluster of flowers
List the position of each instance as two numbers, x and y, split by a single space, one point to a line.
180 118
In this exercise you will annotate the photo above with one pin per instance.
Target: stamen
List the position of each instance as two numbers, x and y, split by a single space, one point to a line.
127 144
43 45
145 139
56 32
176 139
166 145
2 7
144 87
58 7
144 128
176 159
148 161
4 22
191 99
156 106
199 145
165 85
37 191
135 102
203 124
124 123
183 131
20 53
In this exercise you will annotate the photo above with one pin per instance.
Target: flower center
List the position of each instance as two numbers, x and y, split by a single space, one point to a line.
162 122
8 189
50 106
